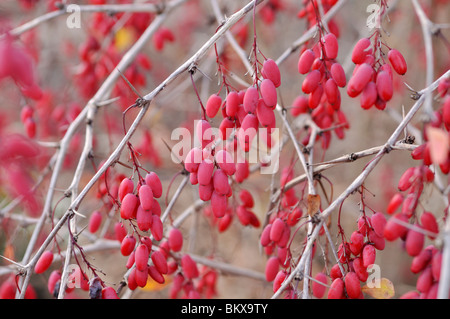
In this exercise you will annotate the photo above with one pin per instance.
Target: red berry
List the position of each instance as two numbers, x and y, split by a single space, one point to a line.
265 235
127 245
394 203
359 80
219 204
265 114
338 74
193 159
318 289
429 223
232 104
213 105
271 71
109 293
378 221
277 229
220 182
175 239
189 267
414 241
359 269
251 98
311 82
352 285
157 228
420 261
356 243
141 256
129 206
155 274
205 172
397 61
225 161
272 266
299 106
368 255
95 221
305 61
52 283
394 229
385 87
160 262
360 50
204 133
43 262
268 92
152 180
246 198
331 46
336 290
146 197
369 96
278 281
126 186
425 280
205 191
315 97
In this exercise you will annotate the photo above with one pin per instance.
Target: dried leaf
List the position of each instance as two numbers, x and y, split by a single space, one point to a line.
313 204
155 286
439 143
380 289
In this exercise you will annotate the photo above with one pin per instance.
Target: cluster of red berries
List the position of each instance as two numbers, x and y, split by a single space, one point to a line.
372 78
324 76
309 13
276 234
358 254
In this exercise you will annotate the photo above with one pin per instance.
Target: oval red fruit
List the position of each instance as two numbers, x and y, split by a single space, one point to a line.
146 197
127 245
157 228
175 239
352 285
277 229
360 51
232 103
359 80
305 61
385 87
368 255
336 290
271 269
43 262
251 98
141 256
129 206
319 286
414 241
271 71
152 180
338 74
311 82
95 221
189 267
397 61
160 262
331 46
213 105
268 92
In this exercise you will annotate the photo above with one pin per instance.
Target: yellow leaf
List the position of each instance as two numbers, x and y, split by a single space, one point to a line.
124 38
154 286
380 289
313 204
439 143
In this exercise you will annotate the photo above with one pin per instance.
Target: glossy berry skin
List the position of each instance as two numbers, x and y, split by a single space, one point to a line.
44 262
397 61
